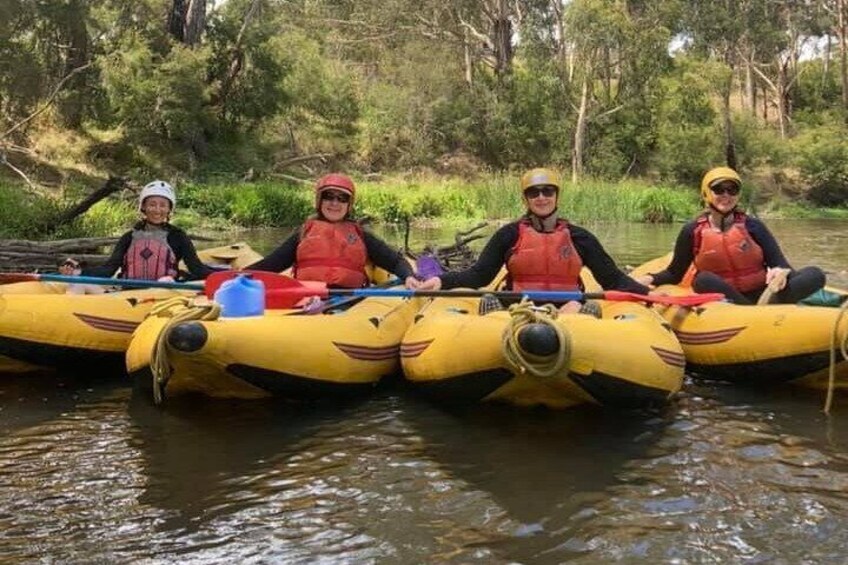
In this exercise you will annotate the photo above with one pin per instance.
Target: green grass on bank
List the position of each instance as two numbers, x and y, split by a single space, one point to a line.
422 200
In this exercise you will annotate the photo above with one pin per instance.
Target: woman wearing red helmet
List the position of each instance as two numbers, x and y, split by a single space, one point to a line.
733 253
331 246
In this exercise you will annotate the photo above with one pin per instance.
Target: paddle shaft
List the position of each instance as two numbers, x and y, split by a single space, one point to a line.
540 295
80 279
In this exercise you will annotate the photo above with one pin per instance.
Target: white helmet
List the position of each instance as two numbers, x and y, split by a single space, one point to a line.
158 188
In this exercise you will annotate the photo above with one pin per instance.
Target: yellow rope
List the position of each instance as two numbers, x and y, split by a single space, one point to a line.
525 313
179 309
843 348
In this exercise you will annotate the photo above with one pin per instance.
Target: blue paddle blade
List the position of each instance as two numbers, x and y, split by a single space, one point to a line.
427 266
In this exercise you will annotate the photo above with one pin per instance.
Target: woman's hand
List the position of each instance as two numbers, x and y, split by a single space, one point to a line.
166 278
773 273
647 280
70 267
412 283
433 283
570 307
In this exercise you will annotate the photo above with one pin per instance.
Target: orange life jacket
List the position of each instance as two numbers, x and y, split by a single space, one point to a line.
149 257
733 255
333 252
544 261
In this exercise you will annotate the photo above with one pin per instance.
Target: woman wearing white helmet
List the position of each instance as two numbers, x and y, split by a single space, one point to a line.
153 248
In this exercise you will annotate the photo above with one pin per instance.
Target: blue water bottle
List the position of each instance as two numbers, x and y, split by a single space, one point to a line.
241 297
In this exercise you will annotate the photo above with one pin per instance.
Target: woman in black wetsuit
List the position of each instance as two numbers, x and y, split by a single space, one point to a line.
731 252
541 251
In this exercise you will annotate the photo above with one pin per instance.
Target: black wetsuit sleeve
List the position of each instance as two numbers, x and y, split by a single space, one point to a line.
385 257
489 263
598 261
682 258
281 258
184 250
772 254
115 260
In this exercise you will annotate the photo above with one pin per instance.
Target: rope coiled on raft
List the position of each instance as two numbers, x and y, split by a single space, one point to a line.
179 309
522 314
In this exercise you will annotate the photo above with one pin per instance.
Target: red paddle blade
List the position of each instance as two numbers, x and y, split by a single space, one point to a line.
270 280
284 298
687 300
7 278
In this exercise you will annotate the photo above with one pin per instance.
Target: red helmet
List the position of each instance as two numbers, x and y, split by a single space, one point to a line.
336 181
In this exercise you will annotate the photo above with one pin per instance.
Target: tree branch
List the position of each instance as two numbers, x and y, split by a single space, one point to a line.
48 102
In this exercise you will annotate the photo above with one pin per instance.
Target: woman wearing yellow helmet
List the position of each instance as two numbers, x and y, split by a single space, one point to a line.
733 253
541 251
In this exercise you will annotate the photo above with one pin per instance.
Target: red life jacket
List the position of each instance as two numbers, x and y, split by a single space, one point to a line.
149 256
544 261
333 252
733 255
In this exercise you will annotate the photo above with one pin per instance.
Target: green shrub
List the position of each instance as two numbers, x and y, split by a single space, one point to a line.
822 157
383 204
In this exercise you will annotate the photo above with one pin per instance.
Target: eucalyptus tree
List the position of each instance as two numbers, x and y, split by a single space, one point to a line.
616 52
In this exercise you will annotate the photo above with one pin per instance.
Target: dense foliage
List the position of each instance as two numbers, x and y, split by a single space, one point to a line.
605 89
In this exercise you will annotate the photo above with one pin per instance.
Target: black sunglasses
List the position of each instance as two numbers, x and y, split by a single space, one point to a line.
337 196
535 191
732 190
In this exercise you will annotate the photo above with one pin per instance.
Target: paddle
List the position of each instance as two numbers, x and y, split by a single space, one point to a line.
6 278
286 292
288 297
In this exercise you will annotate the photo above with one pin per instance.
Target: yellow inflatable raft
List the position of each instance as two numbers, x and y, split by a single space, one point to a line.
628 357
43 327
755 344
282 353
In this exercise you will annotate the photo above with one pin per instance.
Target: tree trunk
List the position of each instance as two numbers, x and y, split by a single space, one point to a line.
729 143
750 88
112 185
236 58
187 21
580 133
502 39
72 101
782 95
765 105
841 33
195 22
176 20
468 60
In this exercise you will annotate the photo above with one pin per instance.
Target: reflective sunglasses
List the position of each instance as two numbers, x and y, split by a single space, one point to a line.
337 196
535 191
731 189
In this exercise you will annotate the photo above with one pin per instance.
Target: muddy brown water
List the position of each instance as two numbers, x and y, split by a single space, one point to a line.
91 472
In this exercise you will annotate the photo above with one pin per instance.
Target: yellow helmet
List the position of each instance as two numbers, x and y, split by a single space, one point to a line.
714 177
537 177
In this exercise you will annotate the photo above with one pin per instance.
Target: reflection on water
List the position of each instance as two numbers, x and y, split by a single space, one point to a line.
90 472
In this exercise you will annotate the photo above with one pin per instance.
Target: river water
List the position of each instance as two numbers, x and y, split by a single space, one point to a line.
91 472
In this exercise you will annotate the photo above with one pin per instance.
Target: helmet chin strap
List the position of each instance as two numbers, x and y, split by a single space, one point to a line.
544 224
722 215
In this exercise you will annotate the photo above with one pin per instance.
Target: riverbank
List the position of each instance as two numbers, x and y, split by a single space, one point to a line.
220 206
